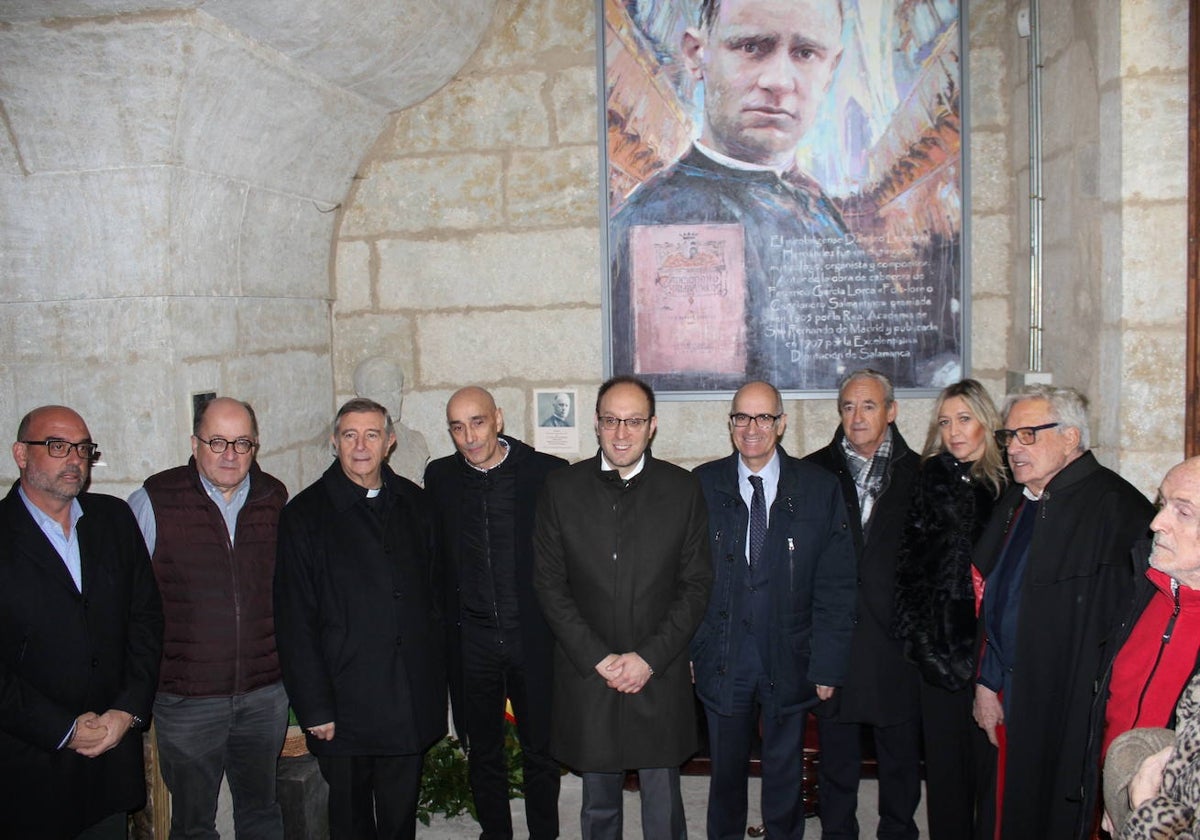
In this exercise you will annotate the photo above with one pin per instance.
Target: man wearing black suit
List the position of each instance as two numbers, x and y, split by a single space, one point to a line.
80 641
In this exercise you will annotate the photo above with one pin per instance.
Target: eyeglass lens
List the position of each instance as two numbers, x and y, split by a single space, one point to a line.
218 445
631 423
61 448
764 421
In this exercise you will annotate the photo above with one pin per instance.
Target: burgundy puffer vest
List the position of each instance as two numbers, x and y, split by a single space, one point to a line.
220 626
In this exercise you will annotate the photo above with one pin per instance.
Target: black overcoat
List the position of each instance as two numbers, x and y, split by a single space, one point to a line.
444 484
357 617
881 686
63 653
622 566
1076 590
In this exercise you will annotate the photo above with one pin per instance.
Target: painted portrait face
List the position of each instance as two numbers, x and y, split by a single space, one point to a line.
561 406
362 442
766 67
963 435
623 446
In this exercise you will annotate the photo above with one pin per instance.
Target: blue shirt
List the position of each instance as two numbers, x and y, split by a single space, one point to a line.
67 545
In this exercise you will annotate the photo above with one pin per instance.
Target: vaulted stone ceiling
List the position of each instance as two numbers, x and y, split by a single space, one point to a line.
170 172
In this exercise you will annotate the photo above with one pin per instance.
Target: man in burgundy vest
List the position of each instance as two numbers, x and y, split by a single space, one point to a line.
221 709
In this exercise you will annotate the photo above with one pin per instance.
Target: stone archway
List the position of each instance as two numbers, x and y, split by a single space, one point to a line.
170 172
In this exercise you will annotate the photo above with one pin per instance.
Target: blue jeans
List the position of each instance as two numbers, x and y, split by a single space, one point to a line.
202 738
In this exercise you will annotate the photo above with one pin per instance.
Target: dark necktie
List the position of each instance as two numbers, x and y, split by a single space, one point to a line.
758 518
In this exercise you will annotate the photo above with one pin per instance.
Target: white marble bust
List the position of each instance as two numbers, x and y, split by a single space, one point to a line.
381 378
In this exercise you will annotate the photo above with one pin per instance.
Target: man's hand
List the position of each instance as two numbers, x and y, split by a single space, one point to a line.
604 668
988 711
110 728
824 692
1147 781
628 673
323 732
86 737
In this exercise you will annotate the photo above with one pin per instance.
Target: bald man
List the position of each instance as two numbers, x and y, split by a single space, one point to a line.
81 637
499 645
776 637
1158 644
211 526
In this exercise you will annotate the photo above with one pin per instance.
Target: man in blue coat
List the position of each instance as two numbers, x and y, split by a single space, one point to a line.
776 636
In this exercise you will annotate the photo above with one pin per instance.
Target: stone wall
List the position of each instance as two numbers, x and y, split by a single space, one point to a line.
1115 207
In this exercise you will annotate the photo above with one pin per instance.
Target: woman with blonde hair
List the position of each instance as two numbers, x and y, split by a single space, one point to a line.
962 474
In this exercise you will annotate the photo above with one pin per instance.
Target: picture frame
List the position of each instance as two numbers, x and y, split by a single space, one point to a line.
794 229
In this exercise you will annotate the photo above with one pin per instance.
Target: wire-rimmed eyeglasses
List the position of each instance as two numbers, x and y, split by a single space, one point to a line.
1027 435
58 448
610 424
218 444
764 421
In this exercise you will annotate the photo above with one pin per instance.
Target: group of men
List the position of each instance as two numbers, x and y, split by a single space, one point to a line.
592 596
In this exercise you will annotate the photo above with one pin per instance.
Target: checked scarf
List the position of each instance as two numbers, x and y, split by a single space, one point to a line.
868 474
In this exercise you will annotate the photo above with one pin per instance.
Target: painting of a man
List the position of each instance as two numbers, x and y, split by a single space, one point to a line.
732 260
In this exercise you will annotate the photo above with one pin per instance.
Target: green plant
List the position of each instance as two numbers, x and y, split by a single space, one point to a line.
445 788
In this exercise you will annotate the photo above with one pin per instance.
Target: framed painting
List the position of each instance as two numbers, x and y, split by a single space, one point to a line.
784 192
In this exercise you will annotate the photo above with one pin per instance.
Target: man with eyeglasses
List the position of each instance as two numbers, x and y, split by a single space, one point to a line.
81 629
623 573
221 709
1057 579
776 637
880 696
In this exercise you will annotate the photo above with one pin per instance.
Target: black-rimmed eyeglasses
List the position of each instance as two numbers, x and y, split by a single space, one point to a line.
610 424
1027 435
218 444
86 450
764 421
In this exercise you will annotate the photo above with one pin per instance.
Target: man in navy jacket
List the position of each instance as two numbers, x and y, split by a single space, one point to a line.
776 635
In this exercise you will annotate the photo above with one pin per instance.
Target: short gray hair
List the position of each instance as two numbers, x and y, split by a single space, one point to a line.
360 405
1068 408
889 391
